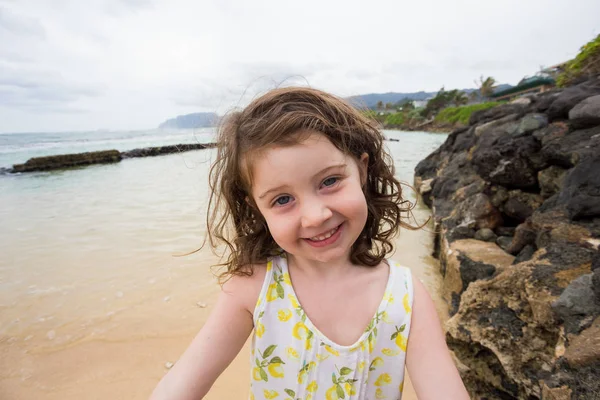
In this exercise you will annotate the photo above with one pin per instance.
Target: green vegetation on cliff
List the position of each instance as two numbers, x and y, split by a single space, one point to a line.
454 115
586 64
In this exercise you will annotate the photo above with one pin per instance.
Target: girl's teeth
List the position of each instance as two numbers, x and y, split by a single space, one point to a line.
325 236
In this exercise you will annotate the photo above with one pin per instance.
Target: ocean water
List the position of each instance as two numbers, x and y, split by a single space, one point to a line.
17 148
89 256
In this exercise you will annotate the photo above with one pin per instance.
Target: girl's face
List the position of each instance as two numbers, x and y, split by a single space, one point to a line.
310 195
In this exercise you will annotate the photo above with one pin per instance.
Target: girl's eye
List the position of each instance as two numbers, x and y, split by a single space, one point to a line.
330 181
283 200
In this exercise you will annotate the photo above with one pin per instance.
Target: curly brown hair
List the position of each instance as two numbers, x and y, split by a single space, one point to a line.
282 117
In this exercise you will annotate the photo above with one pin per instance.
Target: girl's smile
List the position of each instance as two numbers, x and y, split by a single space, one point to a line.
327 238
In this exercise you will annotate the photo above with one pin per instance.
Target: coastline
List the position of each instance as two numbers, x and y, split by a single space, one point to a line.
514 197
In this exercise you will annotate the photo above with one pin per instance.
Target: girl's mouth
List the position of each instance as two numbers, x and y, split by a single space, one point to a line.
325 238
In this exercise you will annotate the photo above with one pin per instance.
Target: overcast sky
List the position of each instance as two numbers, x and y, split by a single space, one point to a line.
130 64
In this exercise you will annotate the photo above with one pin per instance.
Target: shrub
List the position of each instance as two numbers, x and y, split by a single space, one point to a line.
454 115
394 119
585 64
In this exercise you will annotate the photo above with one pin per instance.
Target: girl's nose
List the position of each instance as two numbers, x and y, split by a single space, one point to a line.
314 213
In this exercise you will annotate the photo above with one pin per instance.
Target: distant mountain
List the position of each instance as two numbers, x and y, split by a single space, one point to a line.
370 100
191 121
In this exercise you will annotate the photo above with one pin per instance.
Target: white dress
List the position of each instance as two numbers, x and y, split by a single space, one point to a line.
291 359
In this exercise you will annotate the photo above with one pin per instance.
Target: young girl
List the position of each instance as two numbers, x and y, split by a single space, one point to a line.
305 199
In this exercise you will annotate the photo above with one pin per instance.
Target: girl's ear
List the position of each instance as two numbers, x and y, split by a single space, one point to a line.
363 166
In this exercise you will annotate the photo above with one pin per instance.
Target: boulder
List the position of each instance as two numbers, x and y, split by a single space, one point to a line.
506 162
496 113
505 334
486 235
586 113
529 123
570 97
520 205
566 150
585 348
551 180
551 132
525 254
427 168
525 235
469 260
498 195
581 192
504 242
475 212
576 303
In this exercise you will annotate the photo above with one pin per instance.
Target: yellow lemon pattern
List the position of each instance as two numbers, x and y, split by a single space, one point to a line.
284 315
292 359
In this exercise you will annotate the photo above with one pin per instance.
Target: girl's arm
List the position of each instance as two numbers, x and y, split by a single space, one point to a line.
215 346
430 366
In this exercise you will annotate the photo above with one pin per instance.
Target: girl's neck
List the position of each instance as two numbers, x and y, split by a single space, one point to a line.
317 269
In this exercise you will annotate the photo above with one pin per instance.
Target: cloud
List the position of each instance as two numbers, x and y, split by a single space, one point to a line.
117 8
126 64
40 90
17 24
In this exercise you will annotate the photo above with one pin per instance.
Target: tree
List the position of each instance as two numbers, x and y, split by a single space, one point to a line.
406 105
460 98
441 100
486 86
379 105
389 106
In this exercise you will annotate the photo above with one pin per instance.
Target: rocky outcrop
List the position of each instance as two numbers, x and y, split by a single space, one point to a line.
516 204
100 157
68 161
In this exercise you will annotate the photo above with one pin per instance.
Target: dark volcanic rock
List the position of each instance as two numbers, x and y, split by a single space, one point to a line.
526 326
525 235
567 150
551 180
530 123
525 254
570 97
581 192
496 113
158 151
504 242
506 162
586 113
427 168
68 161
100 157
520 205
475 212
576 302
544 101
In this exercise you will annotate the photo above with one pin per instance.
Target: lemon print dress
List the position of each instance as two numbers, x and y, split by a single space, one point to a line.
291 359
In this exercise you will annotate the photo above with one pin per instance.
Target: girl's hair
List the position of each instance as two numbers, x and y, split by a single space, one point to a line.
285 116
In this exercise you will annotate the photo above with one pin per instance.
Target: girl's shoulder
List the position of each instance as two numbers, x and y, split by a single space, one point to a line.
246 288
